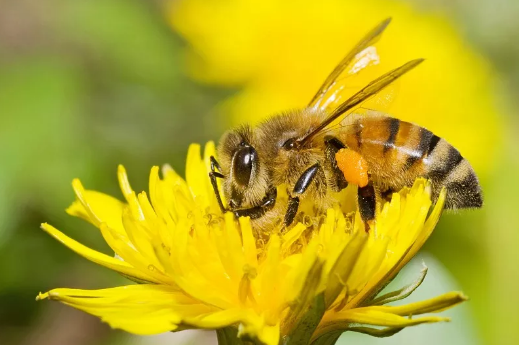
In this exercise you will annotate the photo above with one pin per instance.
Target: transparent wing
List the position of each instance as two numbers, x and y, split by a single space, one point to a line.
352 73
373 88
341 82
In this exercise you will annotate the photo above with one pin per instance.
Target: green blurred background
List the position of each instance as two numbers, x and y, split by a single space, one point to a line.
86 85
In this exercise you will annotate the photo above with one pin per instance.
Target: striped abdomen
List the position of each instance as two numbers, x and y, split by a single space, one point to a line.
398 152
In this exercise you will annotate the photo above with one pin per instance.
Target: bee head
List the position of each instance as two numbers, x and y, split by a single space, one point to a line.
246 179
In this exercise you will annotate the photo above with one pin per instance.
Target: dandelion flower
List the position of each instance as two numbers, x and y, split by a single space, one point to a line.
198 268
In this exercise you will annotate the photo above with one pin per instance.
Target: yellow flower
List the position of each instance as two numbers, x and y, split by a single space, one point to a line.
277 54
198 268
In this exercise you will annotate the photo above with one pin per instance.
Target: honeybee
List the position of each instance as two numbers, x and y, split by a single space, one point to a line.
313 158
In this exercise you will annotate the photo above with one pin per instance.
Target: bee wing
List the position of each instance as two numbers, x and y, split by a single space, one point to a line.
368 91
363 55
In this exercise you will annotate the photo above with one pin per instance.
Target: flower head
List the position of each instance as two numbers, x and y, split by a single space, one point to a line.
199 268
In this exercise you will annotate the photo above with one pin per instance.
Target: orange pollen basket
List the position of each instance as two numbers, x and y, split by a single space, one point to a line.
353 166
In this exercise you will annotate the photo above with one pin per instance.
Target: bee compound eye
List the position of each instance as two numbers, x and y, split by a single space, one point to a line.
243 162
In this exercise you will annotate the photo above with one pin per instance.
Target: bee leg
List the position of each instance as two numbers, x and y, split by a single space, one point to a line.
387 194
258 211
300 187
293 206
367 200
214 164
334 145
213 175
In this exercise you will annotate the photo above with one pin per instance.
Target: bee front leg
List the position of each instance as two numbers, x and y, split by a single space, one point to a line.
255 212
300 187
212 176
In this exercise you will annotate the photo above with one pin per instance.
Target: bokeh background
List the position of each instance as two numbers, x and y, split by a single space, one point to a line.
86 85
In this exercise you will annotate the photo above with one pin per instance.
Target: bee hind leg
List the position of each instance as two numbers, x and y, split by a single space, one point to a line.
333 145
367 201
302 184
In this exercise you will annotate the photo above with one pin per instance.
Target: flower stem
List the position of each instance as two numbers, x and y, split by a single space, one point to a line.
229 336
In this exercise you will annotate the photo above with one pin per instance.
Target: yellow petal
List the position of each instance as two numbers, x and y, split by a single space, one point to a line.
139 309
133 257
197 169
194 165
250 324
124 183
291 236
342 320
151 309
106 208
265 334
428 228
230 248
378 318
432 305
306 311
218 319
343 267
96 207
97 257
250 251
271 272
304 278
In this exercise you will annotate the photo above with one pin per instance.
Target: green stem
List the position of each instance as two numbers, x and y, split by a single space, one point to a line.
229 336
